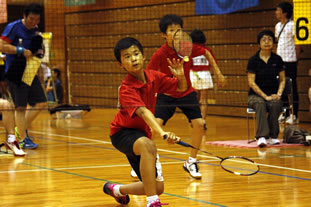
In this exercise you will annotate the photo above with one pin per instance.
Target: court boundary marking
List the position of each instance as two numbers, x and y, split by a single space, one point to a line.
169 151
104 180
61 170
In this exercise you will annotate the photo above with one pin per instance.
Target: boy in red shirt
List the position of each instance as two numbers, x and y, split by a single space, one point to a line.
130 130
186 100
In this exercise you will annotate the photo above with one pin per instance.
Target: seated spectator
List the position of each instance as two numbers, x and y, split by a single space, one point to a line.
266 88
58 87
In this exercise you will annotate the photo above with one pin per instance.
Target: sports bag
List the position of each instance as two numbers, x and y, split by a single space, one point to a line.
295 135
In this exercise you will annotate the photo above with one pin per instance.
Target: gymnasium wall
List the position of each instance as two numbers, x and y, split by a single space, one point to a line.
91 32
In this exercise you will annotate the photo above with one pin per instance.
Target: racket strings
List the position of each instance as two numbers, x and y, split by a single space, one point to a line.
182 44
239 166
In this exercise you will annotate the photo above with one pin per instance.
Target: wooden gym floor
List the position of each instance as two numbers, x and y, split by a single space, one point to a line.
75 158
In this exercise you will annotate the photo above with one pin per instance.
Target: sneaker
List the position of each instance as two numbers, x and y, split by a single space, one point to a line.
156 203
281 118
133 173
192 169
261 142
273 141
292 120
29 144
14 147
108 189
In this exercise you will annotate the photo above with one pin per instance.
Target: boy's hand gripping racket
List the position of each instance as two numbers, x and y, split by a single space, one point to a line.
233 164
182 44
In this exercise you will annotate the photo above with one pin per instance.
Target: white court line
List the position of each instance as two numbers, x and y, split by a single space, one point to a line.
72 137
81 168
163 150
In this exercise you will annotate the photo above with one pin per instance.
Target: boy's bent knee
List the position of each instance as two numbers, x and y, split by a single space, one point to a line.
145 145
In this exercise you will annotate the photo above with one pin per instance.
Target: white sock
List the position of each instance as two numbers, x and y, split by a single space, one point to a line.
116 191
151 199
192 160
11 138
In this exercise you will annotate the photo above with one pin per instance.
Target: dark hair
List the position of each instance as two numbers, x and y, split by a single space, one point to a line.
57 71
168 20
265 32
126 43
198 36
286 8
33 8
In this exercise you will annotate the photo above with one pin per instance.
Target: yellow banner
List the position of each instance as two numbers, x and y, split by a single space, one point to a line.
32 67
302 19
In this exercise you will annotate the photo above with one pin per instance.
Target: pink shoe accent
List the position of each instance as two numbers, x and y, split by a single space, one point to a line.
157 203
108 189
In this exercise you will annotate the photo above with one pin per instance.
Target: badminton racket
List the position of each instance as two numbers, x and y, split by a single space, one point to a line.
236 165
182 44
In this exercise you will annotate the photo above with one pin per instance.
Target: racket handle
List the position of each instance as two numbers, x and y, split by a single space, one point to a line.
184 144
180 142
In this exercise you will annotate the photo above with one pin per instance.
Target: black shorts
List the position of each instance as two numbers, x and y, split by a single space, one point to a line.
23 94
124 140
166 107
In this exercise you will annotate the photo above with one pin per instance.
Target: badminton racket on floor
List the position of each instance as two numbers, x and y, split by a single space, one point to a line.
182 44
237 165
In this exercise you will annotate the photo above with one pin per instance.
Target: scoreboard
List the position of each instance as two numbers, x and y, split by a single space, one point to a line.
302 20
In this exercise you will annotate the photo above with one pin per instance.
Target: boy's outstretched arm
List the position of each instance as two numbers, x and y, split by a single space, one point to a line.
177 69
151 121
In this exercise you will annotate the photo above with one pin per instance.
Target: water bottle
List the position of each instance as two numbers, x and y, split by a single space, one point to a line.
20 47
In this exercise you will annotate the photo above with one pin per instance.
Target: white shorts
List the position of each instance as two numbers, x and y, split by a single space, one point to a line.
201 79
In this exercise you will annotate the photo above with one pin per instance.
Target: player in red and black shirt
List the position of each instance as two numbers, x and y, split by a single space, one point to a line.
130 130
187 100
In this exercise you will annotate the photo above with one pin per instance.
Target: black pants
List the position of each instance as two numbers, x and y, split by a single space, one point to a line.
291 72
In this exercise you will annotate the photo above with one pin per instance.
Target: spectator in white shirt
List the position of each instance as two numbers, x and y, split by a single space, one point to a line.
285 34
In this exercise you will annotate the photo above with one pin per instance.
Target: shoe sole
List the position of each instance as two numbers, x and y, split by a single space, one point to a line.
190 173
29 147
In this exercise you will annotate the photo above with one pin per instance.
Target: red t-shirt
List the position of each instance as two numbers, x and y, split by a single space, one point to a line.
200 63
134 94
159 62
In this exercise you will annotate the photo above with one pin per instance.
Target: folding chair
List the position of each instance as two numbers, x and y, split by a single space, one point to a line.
251 111
288 91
